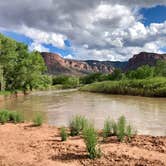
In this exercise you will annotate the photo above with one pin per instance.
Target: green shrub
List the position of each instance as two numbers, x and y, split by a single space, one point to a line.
91 139
72 82
4 116
66 81
62 79
10 116
114 128
130 131
155 87
121 126
38 120
107 128
77 124
119 129
63 134
15 117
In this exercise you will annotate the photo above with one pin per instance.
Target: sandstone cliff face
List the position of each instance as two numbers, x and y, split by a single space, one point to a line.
144 58
59 65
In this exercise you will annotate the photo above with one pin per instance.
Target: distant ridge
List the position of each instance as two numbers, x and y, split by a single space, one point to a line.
144 58
57 65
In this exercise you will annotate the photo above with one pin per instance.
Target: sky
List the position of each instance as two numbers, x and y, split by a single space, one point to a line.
87 29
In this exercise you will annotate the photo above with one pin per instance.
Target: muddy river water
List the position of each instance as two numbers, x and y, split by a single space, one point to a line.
148 115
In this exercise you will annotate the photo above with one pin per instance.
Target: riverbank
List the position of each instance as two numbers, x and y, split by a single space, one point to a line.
10 95
153 87
24 145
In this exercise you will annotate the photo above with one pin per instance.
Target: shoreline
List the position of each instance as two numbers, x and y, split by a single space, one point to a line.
10 96
24 145
154 87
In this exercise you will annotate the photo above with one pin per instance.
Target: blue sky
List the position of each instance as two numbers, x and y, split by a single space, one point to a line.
90 30
24 39
153 15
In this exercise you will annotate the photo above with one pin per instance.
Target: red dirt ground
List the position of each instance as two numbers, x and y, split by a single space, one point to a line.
24 145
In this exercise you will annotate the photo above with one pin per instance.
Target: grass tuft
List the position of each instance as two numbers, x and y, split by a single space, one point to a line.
107 128
63 134
15 117
121 126
91 140
4 116
10 116
38 120
121 129
77 124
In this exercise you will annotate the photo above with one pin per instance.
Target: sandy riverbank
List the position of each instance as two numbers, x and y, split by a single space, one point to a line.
23 145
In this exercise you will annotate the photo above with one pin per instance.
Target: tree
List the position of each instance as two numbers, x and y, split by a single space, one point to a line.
1 79
93 77
141 73
22 70
160 69
116 75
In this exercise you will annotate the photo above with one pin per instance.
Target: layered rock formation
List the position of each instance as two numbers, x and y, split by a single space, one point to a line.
144 58
59 65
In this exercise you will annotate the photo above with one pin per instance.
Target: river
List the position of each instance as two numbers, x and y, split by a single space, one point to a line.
147 115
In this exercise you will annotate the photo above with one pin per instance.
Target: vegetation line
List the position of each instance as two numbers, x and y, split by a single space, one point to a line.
21 70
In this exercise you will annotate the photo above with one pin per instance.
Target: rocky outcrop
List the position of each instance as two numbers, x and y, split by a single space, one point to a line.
144 58
59 65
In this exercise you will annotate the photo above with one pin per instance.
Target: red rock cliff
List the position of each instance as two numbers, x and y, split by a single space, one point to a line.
59 65
144 58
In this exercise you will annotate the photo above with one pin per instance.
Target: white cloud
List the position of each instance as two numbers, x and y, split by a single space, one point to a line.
38 47
98 29
137 31
40 36
69 56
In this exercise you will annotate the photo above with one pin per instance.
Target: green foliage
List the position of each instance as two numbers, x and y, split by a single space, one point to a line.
155 87
44 82
116 75
2 82
88 79
141 73
63 134
66 81
121 128
124 129
107 128
72 82
10 116
114 128
62 79
15 117
160 69
38 120
4 116
91 141
129 131
77 124
20 69
98 77
5 93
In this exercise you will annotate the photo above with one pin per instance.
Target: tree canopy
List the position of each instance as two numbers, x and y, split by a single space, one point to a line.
19 68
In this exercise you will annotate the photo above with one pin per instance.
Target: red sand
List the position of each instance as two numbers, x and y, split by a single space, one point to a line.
23 145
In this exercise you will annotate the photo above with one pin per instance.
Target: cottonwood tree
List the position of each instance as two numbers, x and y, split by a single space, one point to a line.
22 70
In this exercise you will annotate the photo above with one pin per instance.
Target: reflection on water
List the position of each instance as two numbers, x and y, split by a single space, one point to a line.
148 115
